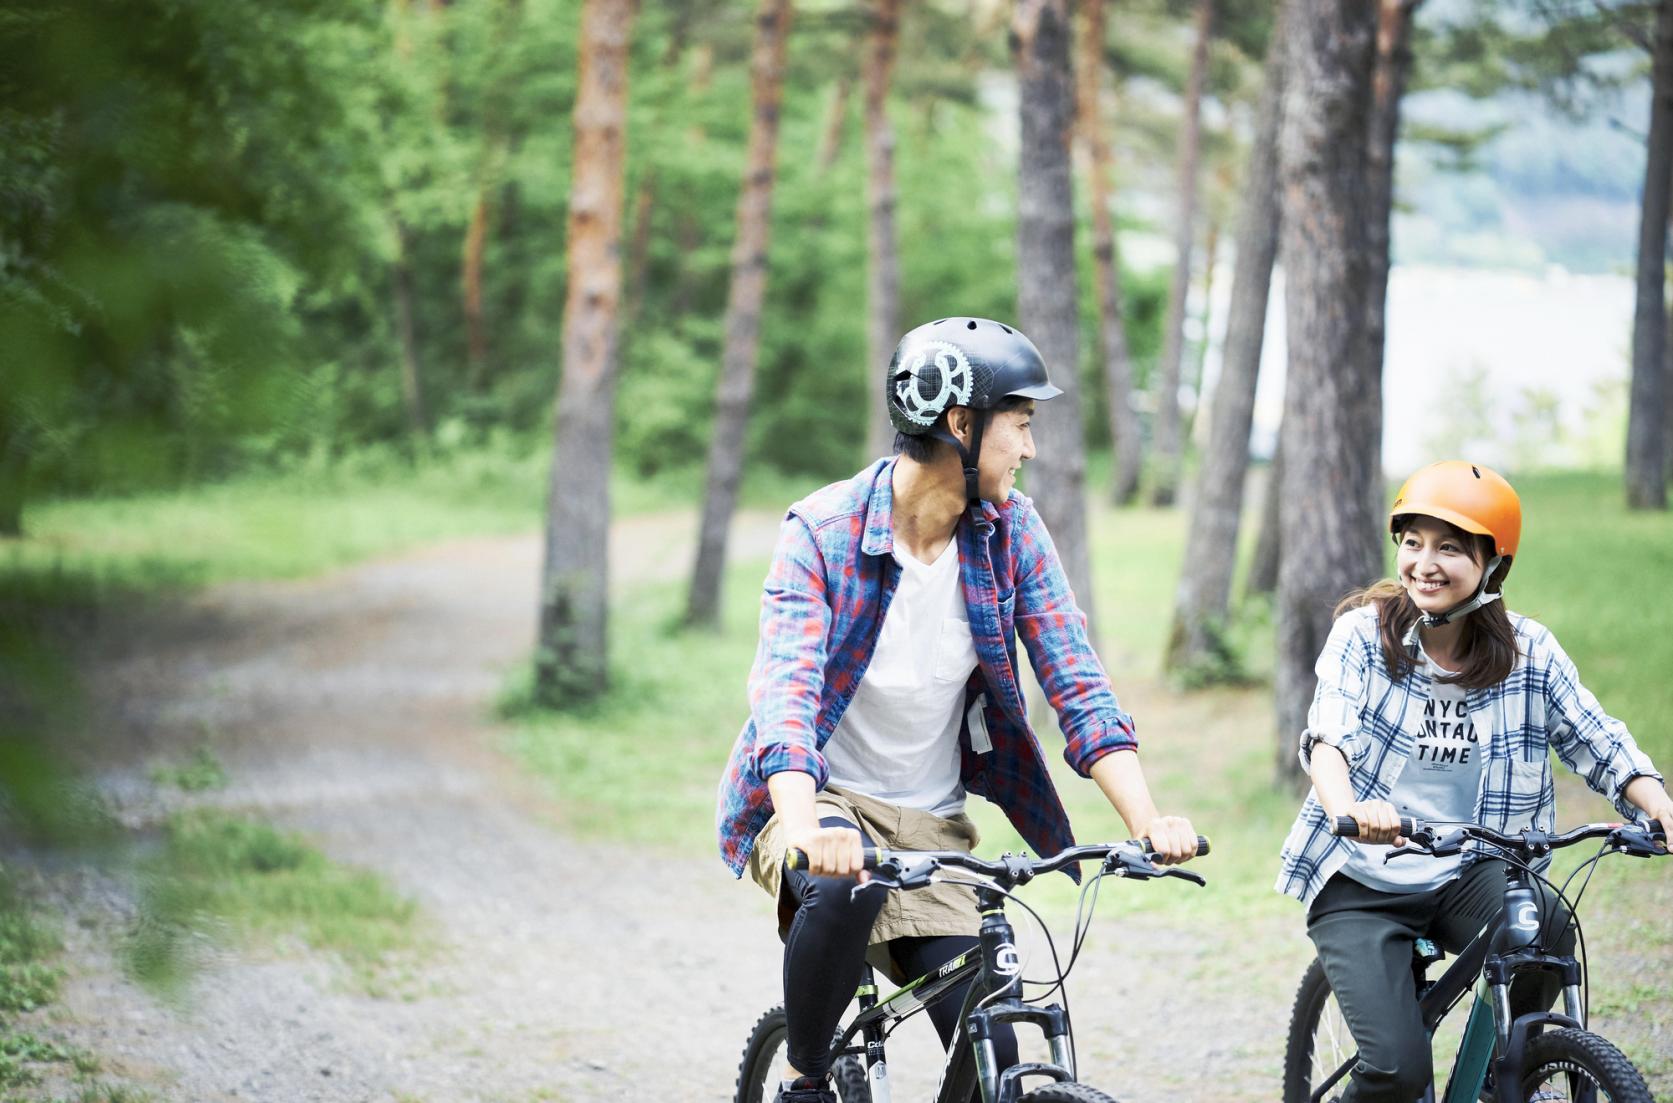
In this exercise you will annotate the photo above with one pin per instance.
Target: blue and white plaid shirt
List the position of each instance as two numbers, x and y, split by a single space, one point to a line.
1374 721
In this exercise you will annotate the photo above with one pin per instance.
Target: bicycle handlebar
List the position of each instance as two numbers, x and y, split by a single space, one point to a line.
1011 868
1348 827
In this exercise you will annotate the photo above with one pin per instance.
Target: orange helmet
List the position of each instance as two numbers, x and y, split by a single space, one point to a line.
1475 498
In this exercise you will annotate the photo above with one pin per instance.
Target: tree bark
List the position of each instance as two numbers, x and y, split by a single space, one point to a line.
470 287
1046 295
1168 446
1203 600
14 472
571 659
1125 443
1647 428
743 314
830 142
882 257
1329 464
412 384
1388 87
1263 564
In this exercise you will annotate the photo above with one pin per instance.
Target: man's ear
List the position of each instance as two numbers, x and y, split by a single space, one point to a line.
958 424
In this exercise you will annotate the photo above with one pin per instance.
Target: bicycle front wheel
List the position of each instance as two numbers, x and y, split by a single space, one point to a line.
1066 1093
1569 1065
1319 1042
762 1065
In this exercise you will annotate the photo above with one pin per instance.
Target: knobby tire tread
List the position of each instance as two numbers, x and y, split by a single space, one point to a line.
1605 1064
758 1073
1066 1093
1310 997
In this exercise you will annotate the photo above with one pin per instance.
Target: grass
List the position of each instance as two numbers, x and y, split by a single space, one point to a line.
216 871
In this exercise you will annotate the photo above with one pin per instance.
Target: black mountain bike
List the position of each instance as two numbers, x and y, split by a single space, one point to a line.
996 997
1543 1056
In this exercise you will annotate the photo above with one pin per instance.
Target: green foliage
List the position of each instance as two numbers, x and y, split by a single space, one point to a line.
28 977
216 870
200 771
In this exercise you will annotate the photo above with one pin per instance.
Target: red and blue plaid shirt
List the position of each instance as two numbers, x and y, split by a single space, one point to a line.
827 591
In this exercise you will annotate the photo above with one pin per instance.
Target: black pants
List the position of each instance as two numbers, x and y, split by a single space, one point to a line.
825 953
1364 938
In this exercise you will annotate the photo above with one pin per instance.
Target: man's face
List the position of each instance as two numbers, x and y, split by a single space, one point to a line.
1006 443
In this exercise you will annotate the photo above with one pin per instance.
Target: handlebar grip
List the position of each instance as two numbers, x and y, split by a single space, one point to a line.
795 859
1348 827
1202 845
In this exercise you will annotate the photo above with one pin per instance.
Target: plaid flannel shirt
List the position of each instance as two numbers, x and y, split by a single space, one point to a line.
1374 722
827 591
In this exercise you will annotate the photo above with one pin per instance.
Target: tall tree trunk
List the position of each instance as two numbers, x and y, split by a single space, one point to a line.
882 258
1647 428
571 658
743 314
1328 462
1112 331
14 472
1263 564
1203 600
470 287
400 284
1046 295
1388 87
836 119
638 246
1168 447
688 231
1193 384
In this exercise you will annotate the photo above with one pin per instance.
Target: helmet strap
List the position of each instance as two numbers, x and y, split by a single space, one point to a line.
1482 597
969 456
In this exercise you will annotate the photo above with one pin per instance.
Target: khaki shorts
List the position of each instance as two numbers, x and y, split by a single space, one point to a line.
935 910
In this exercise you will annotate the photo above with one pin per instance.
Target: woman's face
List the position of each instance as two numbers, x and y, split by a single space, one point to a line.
1437 567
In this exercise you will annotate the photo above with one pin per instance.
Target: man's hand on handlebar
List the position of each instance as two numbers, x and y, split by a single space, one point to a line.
830 851
1172 838
1377 820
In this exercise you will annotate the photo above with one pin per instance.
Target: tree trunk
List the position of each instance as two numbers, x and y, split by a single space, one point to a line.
882 258
1203 600
1647 428
1046 295
412 385
14 473
1263 564
1325 496
571 659
638 246
830 142
1166 389
743 314
1112 331
1388 87
470 286
1193 385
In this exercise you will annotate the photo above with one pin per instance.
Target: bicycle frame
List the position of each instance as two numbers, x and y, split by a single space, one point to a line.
994 999
1492 1038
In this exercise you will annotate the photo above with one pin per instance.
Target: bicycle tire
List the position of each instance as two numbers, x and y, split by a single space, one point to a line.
1066 1092
1318 1041
1564 1055
763 1060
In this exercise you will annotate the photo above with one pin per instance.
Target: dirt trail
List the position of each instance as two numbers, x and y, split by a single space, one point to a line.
353 707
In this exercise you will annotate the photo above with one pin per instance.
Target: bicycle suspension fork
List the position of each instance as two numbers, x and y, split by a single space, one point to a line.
877 1068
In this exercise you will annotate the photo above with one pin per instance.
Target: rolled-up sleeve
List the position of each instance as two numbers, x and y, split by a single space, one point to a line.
788 675
1588 740
1053 631
1343 670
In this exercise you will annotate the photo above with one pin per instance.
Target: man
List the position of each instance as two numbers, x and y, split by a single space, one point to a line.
884 687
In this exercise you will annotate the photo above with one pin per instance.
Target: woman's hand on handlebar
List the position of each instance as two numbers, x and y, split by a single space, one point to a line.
1172 838
830 851
1378 821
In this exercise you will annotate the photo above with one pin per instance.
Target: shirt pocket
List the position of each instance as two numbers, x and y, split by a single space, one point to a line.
955 653
1529 783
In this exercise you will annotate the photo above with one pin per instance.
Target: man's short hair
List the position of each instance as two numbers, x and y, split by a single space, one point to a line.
922 447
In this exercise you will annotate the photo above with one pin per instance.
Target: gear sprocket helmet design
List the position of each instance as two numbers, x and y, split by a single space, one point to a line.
974 362
1476 499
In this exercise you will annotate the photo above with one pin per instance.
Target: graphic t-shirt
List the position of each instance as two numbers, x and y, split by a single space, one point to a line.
898 739
1440 781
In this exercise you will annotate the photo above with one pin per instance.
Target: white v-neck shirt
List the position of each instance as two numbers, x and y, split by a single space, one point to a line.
898 739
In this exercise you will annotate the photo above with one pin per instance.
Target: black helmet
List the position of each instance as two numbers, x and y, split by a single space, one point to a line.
970 362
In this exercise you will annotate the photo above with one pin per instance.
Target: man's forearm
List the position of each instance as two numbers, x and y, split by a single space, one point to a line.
1121 778
792 792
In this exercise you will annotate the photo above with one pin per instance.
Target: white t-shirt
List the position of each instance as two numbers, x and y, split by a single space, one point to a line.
1440 781
898 740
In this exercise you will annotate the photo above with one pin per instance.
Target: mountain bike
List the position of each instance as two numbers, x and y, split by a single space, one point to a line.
1544 1056
996 997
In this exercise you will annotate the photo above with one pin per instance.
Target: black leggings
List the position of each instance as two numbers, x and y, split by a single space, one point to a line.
825 952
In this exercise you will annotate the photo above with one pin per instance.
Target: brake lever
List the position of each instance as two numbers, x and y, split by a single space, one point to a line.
1185 875
1637 841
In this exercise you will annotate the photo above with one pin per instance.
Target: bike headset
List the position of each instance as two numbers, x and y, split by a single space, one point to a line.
973 362
1476 499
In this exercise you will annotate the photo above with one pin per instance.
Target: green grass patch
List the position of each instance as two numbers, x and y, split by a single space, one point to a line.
215 871
199 772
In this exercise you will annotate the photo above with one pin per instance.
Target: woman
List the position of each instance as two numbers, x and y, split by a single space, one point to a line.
1435 702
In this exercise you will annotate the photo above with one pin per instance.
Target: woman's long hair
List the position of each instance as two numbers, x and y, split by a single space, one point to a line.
1488 645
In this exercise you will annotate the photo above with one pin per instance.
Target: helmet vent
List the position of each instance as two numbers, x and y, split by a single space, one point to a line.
970 324
1004 327
1476 471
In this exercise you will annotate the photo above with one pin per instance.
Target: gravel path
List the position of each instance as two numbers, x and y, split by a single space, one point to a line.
351 707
